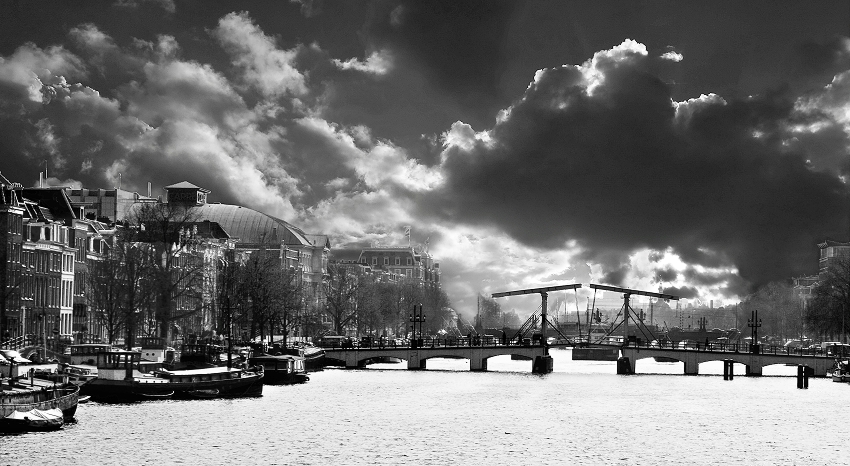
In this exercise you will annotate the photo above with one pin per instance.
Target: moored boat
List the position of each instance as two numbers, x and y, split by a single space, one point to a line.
281 369
121 378
314 357
36 405
841 371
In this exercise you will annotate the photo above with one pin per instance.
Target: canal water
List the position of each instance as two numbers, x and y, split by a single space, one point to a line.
583 413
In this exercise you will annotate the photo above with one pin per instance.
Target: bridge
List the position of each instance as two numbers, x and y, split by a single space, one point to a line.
754 357
477 350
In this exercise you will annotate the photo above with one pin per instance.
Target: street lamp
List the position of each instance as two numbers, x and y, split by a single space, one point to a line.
754 323
414 318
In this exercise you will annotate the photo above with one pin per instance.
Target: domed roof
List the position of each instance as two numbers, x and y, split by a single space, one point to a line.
250 226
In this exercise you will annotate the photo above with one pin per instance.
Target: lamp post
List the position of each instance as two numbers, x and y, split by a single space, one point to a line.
416 316
754 323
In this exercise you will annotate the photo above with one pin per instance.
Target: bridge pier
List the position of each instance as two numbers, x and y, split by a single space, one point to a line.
414 362
754 370
477 363
542 365
626 365
691 368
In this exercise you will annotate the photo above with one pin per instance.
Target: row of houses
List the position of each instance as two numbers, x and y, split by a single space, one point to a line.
52 236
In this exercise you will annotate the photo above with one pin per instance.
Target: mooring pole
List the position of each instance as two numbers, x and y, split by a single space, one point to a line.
626 298
802 376
544 295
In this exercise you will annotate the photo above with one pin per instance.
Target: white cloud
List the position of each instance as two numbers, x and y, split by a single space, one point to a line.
24 74
264 66
379 63
672 56
380 166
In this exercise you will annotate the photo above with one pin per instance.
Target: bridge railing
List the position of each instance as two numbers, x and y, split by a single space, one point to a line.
452 342
19 342
732 348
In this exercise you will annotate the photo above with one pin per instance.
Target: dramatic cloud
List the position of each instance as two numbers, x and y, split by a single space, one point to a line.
620 164
264 66
600 154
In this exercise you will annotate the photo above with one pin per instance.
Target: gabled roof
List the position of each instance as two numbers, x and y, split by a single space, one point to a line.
54 199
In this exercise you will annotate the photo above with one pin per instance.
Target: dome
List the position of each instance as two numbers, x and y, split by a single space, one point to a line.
250 226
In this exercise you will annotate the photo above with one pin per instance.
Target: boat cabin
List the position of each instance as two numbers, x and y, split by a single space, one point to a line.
201 354
121 365
87 353
154 349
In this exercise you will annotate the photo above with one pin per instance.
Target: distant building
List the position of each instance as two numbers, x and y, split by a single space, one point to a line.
830 252
803 287
398 263
252 230
106 205
42 239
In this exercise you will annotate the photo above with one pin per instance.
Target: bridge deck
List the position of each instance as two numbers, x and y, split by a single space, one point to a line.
754 358
416 356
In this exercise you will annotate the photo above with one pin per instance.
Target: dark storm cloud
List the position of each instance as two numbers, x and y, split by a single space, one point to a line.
666 275
685 292
824 58
601 155
455 45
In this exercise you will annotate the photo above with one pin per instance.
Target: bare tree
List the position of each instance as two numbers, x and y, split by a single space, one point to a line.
437 307
260 273
341 302
118 289
828 312
778 308
176 270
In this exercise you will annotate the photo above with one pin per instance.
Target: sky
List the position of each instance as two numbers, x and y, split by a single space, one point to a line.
698 149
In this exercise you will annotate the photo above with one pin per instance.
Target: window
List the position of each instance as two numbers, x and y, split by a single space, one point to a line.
409 272
409 261
398 261
374 260
386 261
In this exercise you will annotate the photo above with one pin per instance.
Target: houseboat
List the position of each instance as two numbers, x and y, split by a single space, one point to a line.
280 369
122 376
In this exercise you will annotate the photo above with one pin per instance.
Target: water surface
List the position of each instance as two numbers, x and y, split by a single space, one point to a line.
583 413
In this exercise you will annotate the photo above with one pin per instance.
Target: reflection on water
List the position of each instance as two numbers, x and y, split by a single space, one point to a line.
583 413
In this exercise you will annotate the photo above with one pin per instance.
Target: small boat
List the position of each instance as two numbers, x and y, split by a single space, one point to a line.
33 420
664 359
36 405
281 369
841 371
123 377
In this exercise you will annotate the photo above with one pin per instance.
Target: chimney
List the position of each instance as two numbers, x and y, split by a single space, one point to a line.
40 179
149 189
